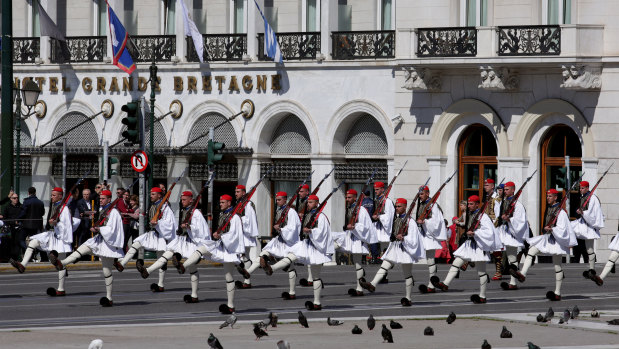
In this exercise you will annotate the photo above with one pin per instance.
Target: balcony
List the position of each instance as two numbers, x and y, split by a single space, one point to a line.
294 46
144 47
78 49
447 42
535 40
363 44
26 50
219 47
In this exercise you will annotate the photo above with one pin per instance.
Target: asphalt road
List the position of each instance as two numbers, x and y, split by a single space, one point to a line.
23 299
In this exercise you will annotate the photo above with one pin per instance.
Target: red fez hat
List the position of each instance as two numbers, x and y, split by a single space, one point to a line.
225 197
473 198
552 191
584 184
489 180
510 184
156 190
351 192
313 197
106 193
282 194
240 186
57 189
401 201
187 193
379 185
425 188
305 186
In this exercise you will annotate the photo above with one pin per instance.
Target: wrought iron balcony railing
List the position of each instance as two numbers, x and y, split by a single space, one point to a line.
26 50
219 47
302 45
447 42
144 47
534 40
78 49
363 44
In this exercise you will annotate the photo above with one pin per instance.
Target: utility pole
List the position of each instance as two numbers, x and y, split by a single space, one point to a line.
104 166
142 192
64 164
211 136
6 110
153 86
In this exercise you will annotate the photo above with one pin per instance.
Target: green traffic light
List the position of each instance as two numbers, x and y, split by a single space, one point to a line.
213 149
132 121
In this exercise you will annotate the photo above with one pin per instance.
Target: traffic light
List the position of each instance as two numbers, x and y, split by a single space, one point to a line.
214 152
132 120
561 177
112 171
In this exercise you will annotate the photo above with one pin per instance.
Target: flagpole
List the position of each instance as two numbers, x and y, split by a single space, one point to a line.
153 85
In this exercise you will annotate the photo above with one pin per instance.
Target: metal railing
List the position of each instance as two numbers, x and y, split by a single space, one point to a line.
143 47
363 44
26 50
219 47
447 42
533 40
300 45
78 49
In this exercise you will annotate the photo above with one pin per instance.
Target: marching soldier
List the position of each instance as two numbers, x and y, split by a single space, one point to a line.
556 240
189 234
588 225
279 246
250 235
314 250
513 231
301 207
58 236
610 264
162 231
406 247
352 240
383 219
477 248
225 248
489 194
433 230
107 244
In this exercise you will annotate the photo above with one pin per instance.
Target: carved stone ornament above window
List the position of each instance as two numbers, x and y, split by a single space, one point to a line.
500 79
581 77
422 79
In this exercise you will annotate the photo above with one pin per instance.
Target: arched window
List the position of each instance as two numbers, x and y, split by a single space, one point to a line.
477 153
291 137
80 136
366 136
560 141
224 133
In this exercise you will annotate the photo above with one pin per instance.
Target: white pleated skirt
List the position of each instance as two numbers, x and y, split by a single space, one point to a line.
507 239
396 253
182 244
218 253
152 241
614 244
49 242
471 252
546 244
101 249
431 243
277 247
349 243
307 254
582 230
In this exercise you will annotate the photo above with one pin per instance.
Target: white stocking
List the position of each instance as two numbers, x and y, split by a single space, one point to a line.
286 261
196 256
83 250
431 265
163 260
107 264
132 251
360 272
533 251
317 282
62 274
511 252
32 246
483 278
382 271
194 276
162 270
453 270
407 272
230 287
556 260
590 253
612 259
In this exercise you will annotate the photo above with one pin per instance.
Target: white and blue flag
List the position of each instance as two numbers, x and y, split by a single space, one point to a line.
271 46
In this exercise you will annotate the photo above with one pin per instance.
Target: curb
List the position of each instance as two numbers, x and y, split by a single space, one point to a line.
6 268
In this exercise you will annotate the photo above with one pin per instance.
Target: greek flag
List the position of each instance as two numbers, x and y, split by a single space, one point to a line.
121 57
271 47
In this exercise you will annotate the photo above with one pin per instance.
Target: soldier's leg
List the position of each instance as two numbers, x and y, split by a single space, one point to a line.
255 264
512 259
612 259
194 276
285 262
591 253
62 276
132 251
533 251
310 277
32 246
230 287
483 279
195 257
74 257
407 272
453 270
431 265
107 264
161 261
380 274
559 276
162 270
317 282
498 264
360 272
292 280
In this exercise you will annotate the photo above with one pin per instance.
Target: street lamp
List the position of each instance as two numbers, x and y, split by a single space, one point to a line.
30 93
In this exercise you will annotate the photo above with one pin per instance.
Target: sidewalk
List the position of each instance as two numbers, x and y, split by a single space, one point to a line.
468 331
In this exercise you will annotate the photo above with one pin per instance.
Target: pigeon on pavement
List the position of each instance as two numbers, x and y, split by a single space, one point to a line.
613 322
595 313
229 322
395 325
259 332
371 322
566 315
387 336
541 318
357 330
96 344
334 322
532 346
282 344
303 320
451 318
273 318
214 342
505 333
428 331
550 313
575 312
486 345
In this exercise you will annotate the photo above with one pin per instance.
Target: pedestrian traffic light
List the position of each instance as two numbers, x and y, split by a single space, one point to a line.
214 152
112 164
132 120
561 177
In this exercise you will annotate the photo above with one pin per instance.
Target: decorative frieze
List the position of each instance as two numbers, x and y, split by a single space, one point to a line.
501 79
581 77
422 79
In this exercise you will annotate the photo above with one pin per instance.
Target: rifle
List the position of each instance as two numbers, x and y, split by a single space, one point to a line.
429 207
188 218
563 200
243 201
289 204
166 197
314 218
582 208
476 221
381 204
404 227
317 188
68 195
497 187
512 204
355 214
103 215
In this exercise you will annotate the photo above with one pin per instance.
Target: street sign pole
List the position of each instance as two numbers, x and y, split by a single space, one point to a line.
211 136
106 145
142 182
